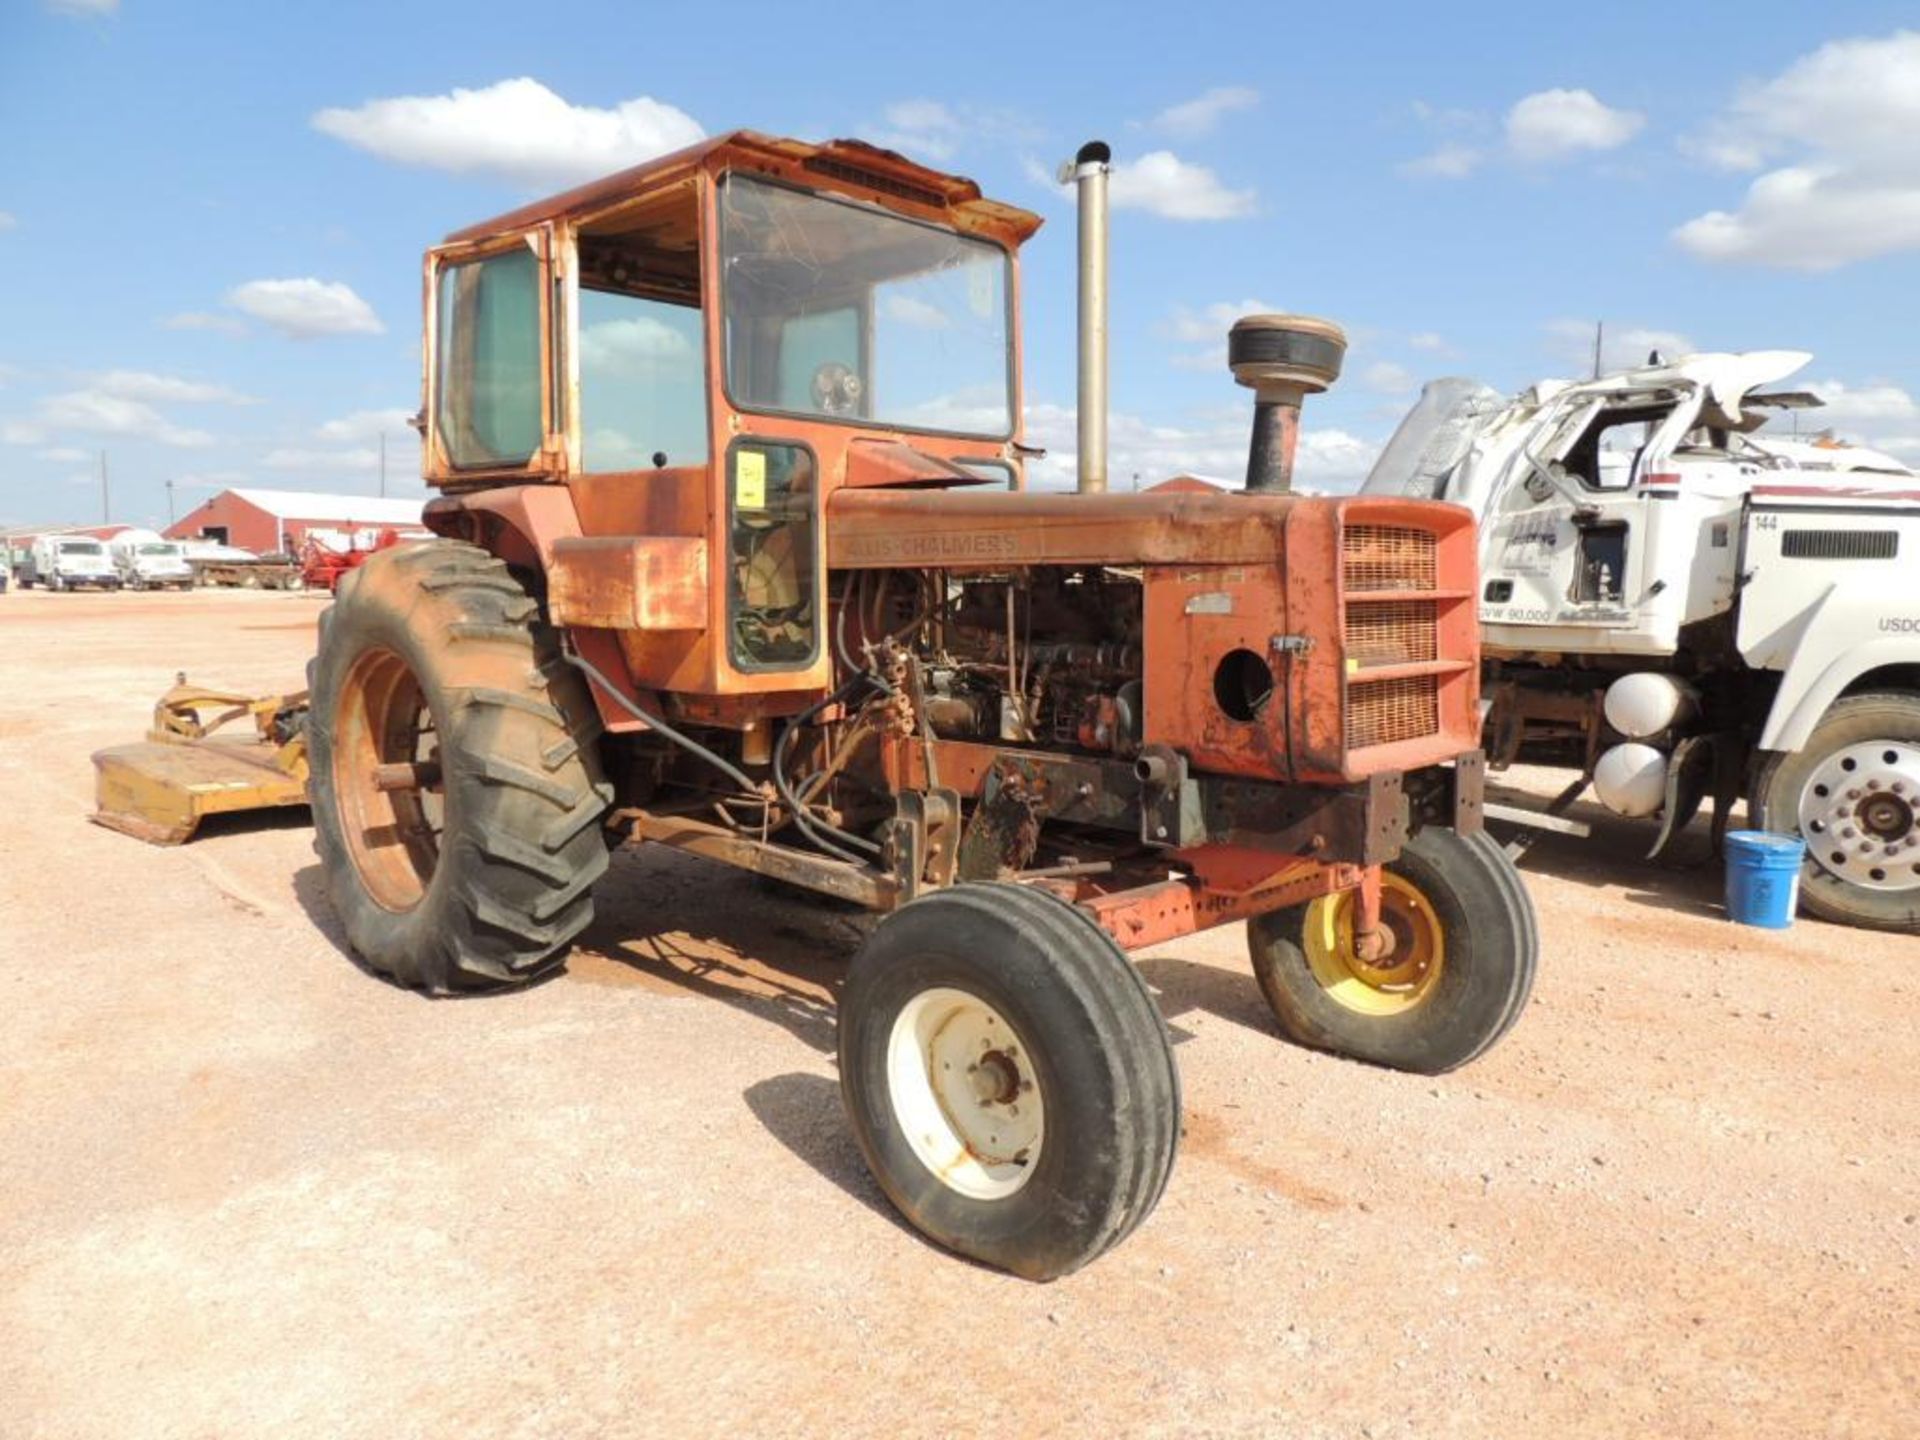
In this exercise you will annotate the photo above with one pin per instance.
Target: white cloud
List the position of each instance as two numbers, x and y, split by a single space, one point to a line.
367 425
1389 378
1622 347
1163 184
632 347
202 320
1207 328
1548 125
1862 404
1810 218
83 7
1196 117
517 130
1555 124
306 307
295 458
916 313
165 389
63 454
8 220
934 130
1842 118
99 413
925 128
1449 162
1430 341
1212 450
22 432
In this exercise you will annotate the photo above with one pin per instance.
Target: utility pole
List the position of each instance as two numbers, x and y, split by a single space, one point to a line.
169 502
383 464
106 496
1599 329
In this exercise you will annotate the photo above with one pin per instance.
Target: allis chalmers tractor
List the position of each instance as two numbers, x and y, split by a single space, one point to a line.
737 558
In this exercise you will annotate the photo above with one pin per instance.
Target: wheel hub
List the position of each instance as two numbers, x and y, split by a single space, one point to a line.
1400 979
964 1093
1858 815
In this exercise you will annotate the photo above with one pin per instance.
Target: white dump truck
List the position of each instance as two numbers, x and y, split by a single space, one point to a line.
1675 604
71 562
147 561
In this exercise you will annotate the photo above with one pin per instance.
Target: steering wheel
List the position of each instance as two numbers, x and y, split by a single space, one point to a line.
836 389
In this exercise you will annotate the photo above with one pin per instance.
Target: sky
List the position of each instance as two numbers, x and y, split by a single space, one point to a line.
212 214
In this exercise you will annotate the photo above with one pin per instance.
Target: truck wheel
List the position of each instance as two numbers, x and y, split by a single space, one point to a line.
1008 1077
480 876
1852 792
1466 946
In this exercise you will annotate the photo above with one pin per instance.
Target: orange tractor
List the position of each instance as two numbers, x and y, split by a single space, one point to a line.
737 557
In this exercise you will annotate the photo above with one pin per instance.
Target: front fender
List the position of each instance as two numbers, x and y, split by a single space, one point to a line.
1824 665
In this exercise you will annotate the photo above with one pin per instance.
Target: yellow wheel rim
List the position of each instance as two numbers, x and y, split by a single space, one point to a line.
1401 981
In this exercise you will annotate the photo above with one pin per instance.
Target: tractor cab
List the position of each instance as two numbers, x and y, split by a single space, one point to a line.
702 350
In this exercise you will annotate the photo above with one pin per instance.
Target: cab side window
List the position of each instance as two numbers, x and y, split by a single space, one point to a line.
642 382
487 349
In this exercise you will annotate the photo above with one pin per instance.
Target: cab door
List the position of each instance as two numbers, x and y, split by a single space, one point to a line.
493 395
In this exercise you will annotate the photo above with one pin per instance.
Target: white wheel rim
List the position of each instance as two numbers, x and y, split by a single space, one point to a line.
964 1093
1860 814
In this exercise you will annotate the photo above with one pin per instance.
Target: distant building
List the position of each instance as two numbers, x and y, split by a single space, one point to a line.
271 522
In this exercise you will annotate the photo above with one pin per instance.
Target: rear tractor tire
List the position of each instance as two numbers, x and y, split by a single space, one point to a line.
478 874
1852 792
1008 1078
1466 946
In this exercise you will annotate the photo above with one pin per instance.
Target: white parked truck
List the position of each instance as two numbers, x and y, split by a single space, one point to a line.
146 561
71 562
1675 604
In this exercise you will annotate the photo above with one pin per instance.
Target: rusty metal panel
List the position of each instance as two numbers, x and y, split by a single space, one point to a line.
634 582
986 530
1215 686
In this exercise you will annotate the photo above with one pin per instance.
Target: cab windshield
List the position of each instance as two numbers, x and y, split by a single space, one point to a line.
159 549
81 547
842 312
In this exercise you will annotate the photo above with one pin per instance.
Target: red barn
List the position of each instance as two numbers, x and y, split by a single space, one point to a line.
270 522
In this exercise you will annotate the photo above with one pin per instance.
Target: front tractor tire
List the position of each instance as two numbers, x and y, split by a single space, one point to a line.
1008 1078
1852 792
1466 946
475 871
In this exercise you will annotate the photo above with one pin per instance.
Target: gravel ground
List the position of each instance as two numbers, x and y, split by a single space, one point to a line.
246 1190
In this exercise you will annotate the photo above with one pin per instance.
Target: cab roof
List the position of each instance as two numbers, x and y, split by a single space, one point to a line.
851 168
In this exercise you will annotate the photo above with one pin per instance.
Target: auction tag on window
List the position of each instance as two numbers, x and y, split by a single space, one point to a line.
749 480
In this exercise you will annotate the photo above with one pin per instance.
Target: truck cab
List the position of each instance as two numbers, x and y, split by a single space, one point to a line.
146 561
1642 535
73 562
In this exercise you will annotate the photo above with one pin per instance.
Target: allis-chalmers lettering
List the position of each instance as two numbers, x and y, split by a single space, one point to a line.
983 545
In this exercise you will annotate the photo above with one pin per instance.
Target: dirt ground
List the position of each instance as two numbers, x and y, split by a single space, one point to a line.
246 1190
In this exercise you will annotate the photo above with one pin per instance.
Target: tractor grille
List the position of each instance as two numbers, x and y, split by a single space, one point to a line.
1389 560
1387 711
1388 557
1391 632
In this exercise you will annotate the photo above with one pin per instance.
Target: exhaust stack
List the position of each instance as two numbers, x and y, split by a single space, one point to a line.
1282 359
1089 173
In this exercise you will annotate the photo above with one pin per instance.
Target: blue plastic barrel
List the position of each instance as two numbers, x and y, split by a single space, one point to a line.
1763 877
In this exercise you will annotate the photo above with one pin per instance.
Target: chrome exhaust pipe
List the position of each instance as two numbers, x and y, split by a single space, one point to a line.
1089 171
